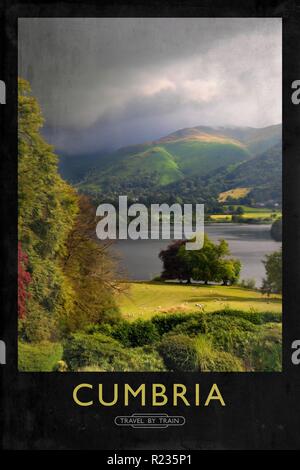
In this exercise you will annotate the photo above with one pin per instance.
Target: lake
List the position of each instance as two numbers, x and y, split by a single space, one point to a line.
250 243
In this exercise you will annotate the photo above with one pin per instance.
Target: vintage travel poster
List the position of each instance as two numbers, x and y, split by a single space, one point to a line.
150 241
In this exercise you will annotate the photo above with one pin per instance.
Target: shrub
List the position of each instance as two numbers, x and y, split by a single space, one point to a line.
166 323
132 360
38 357
256 318
97 352
231 334
82 349
265 354
211 360
179 353
138 333
37 326
191 327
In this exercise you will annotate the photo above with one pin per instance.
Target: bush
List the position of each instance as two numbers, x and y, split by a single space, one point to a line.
179 353
132 360
265 354
38 357
166 323
138 333
82 349
231 334
37 326
84 352
191 327
211 360
256 318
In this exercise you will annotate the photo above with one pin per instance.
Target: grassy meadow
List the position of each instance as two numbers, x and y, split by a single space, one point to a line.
259 213
146 299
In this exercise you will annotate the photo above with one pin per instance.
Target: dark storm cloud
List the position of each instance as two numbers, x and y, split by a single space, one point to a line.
111 82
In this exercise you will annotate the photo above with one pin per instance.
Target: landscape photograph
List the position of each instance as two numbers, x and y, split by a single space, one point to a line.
168 112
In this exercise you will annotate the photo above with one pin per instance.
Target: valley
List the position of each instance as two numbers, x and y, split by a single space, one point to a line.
216 166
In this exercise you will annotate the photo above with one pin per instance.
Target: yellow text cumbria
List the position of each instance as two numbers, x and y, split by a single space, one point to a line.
86 394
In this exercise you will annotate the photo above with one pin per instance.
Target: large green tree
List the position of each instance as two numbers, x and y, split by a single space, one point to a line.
209 264
72 277
47 210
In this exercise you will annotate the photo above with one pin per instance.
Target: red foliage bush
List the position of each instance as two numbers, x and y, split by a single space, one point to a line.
24 279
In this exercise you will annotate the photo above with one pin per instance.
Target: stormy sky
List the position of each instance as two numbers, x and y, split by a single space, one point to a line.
105 83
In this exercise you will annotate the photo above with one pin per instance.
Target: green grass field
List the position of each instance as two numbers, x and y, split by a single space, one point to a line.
145 299
38 357
249 212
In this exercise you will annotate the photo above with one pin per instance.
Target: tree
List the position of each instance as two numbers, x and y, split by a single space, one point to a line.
229 271
210 264
175 266
91 269
273 265
205 263
72 276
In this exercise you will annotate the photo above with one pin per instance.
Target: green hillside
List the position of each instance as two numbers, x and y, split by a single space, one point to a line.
263 174
167 161
190 165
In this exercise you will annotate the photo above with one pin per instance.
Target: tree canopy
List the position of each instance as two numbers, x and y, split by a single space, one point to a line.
209 264
273 280
61 268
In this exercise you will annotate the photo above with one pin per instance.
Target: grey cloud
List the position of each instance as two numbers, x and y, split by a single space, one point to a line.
111 82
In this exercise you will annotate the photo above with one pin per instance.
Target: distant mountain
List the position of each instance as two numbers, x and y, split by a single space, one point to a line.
262 175
220 157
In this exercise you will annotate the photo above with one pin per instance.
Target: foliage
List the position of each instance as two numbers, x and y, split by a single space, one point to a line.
38 326
212 360
178 352
24 279
257 318
81 349
143 359
92 272
166 323
192 326
38 357
265 354
47 207
231 334
207 264
184 167
97 352
66 278
273 265
223 341
138 333
174 265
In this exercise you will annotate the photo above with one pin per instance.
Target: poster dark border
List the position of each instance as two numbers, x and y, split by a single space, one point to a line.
262 409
